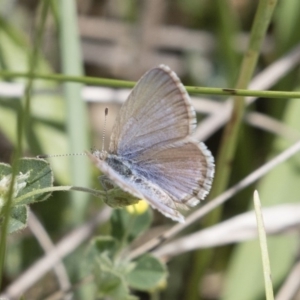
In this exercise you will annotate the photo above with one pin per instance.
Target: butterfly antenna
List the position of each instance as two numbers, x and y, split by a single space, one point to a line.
104 127
59 155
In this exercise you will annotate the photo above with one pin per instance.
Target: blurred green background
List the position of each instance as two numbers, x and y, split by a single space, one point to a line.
203 41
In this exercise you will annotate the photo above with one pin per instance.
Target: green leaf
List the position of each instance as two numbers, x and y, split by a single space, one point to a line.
109 275
147 274
126 224
18 218
110 282
33 174
103 244
5 169
99 246
40 176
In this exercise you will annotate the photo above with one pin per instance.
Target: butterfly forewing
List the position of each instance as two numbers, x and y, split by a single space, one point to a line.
157 112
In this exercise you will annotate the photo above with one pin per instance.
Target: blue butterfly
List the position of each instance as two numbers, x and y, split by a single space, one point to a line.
151 153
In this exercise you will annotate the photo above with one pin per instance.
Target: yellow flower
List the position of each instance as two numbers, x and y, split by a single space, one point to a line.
138 208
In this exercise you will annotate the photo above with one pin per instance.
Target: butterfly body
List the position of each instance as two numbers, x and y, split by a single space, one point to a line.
151 154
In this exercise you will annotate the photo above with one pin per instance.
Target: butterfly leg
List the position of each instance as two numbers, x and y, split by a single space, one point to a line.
107 185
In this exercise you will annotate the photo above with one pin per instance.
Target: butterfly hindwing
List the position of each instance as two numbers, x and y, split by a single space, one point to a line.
184 169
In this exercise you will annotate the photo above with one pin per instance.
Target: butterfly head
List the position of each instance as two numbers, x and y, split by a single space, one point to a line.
100 154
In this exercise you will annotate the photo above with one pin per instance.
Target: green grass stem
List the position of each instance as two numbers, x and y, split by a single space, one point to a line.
225 92
263 248
76 117
96 193
224 161
23 121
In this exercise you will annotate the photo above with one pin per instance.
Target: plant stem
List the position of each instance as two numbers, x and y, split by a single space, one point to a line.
130 84
230 136
224 161
22 127
76 117
263 248
96 193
